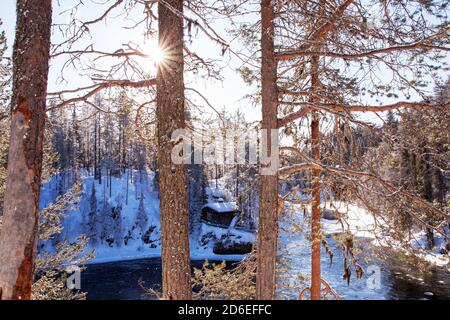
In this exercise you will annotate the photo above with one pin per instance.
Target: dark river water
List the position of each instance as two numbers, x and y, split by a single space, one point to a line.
125 280
408 281
129 280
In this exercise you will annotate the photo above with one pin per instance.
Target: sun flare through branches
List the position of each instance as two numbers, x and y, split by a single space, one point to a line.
155 53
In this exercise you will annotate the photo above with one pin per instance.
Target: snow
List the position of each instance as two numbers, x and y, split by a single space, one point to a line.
243 236
215 193
234 222
294 246
361 224
136 248
74 223
222 207
357 220
419 245
201 250
218 198
295 255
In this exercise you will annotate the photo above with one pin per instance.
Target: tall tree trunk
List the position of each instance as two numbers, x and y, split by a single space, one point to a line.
119 151
99 149
315 186
170 115
217 183
88 152
125 148
122 154
428 193
128 183
268 208
20 219
316 241
95 148
315 211
237 178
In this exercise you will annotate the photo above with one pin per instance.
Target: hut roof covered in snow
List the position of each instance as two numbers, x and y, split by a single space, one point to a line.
222 207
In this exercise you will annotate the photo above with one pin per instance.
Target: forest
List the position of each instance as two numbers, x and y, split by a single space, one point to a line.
224 150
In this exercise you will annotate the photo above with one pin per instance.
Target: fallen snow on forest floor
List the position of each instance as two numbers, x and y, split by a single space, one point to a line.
295 246
295 255
362 224
355 219
130 244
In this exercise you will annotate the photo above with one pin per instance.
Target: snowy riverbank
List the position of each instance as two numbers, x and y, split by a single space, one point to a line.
134 232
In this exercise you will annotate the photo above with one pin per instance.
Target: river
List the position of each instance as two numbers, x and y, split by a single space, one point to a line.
127 280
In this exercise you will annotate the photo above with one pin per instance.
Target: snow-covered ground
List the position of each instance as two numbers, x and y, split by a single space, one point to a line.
419 244
295 247
361 223
295 258
357 220
76 221
134 248
376 282
202 248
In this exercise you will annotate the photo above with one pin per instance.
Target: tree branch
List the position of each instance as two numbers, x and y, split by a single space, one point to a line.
97 88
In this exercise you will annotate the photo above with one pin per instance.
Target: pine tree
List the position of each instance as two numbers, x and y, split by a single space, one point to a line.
4 115
30 58
91 228
141 219
268 201
197 195
50 279
170 116
106 223
117 222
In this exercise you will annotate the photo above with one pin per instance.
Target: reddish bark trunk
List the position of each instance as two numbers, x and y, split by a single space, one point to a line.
170 115
315 185
268 205
315 212
20 219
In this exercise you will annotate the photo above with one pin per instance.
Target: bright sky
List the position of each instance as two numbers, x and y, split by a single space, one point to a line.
110 37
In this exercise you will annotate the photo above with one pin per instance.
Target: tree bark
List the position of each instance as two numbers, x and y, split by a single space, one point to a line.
95 148
99 150
316 241
428 193
315 211
268 207
315 186
170 116
20 220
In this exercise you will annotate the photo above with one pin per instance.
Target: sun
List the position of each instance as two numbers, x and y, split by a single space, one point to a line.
155 53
